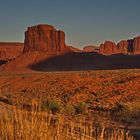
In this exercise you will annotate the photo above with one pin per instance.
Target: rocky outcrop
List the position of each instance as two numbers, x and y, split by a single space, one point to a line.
130 47
10 50
122 47
136 45
91 48
108 48
44 38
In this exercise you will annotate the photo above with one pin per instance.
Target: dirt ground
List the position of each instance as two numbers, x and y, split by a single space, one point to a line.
101 90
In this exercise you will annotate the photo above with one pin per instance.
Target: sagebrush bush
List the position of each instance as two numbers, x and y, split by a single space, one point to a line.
52 105
129 111
69 110
81 107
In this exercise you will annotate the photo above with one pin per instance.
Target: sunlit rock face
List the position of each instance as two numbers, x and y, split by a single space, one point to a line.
130 47
122 47
136 45
44 38
108 48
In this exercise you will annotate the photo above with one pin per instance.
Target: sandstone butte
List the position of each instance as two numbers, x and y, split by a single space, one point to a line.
45 38
130 47
41 43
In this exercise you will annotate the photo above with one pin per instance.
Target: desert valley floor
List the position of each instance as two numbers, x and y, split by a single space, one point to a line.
102 91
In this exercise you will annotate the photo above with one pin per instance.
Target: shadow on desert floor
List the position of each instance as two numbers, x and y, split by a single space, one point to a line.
87 61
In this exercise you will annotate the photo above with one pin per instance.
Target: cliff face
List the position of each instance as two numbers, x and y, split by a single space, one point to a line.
136 45
131 46
122 47
108 48
44 38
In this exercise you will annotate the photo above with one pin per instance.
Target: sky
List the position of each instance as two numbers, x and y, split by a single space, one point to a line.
85 22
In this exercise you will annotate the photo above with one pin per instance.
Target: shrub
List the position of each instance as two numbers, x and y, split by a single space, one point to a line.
81 107
53 105
127 111
69 110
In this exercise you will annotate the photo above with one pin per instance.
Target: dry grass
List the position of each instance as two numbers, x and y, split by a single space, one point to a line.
37 125
127 112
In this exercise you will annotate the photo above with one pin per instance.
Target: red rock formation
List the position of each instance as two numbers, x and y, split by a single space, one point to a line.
10 50
130 47
44 38
136 45
108 48
101 49
122 47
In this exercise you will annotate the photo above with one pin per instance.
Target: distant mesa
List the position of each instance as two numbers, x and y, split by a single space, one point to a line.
129 47
10 50
74 49
45 38
91 48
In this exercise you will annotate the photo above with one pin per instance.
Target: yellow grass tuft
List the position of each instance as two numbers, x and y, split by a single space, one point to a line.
38 125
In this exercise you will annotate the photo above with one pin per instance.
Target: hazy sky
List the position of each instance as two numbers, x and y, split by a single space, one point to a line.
84 21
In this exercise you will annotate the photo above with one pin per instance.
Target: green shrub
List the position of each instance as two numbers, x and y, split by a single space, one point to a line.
69 110
127 111
81 107
53 105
